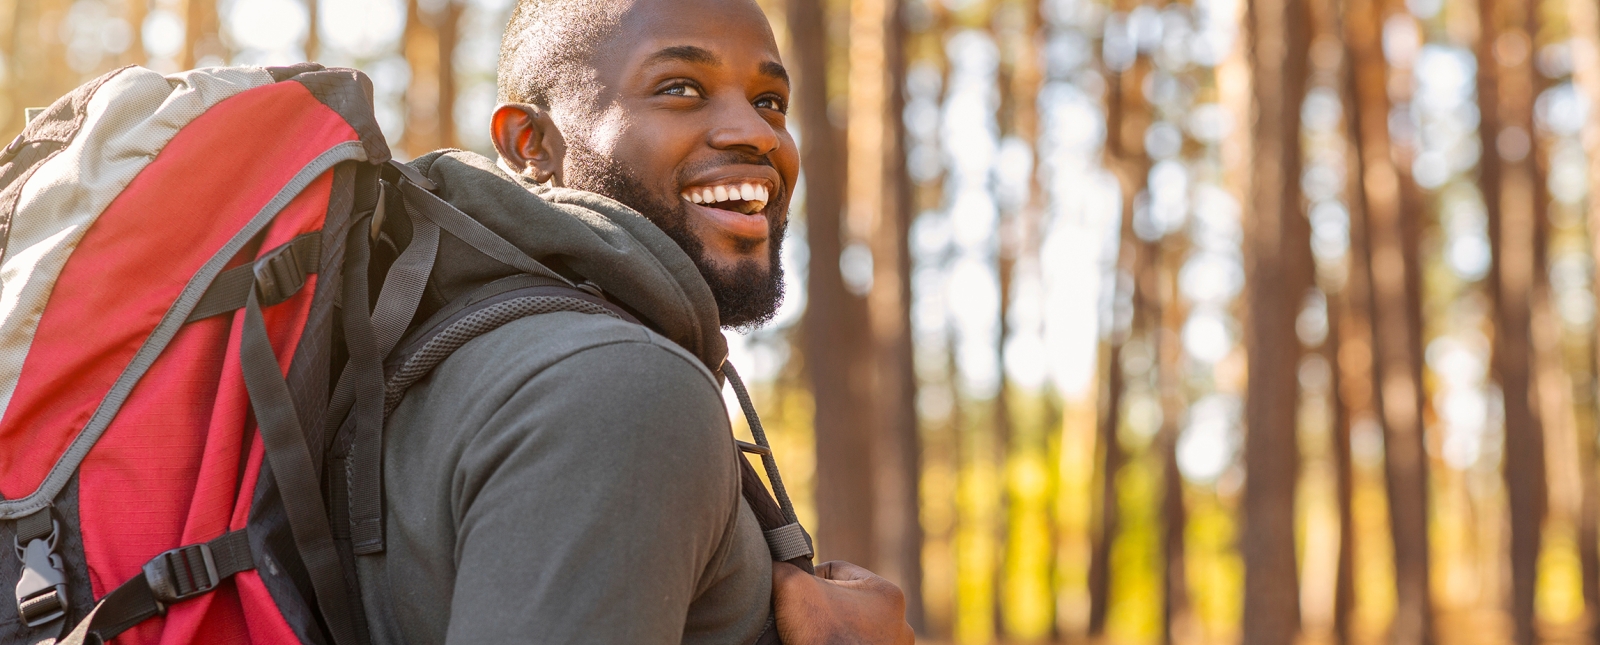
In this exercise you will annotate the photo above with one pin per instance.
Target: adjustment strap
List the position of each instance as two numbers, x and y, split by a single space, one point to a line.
170 577
278 274
788 542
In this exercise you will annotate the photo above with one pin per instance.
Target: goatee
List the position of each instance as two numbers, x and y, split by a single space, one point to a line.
747 294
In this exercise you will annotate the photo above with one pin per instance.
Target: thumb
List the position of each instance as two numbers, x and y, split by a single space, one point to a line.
841 571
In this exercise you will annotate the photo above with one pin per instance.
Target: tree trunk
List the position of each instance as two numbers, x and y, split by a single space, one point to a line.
137 10
1381 217
1166 318
1349 338
1506 178
449 23
1127 117
835 328
1584 21
1341 319
201 35
1277 277
429 47
313 25
878 195
38 59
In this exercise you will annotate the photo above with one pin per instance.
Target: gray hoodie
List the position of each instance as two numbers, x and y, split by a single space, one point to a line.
568 478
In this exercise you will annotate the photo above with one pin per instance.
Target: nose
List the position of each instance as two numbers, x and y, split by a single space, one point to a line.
740 127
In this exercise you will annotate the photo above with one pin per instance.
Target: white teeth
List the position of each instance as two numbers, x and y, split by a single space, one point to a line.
756 194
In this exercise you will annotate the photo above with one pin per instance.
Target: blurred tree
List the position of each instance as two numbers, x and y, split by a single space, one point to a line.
1277 276
136 11
429 45
1349 353
1506 177
1018 29
879 208
1379 240
202 35
836 341
1584 19
1127 118
37 57
313 26
1164 327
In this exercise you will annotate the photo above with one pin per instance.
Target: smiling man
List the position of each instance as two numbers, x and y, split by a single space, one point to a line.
571 477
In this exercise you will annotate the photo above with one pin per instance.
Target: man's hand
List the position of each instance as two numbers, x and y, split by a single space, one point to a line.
842 605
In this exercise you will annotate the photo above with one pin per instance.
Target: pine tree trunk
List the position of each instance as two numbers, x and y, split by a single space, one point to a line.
1127 117
136 11
1584 21
1383 245
1166 316
429 46
1277 278
878 195
1354 385
1341 319
313 29
1506 179
201 34
835 327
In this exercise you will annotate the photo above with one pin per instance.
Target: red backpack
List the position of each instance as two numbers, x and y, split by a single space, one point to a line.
173 248
198 307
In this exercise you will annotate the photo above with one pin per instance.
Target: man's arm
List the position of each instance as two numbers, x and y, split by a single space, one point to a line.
590 504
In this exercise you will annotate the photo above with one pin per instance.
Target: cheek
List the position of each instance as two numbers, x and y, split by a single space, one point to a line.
608 129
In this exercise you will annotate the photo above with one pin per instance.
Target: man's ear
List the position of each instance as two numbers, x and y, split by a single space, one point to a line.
528 140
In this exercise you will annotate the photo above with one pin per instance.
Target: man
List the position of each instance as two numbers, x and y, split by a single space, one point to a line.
571 478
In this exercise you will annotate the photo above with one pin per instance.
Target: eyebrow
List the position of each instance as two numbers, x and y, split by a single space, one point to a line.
703 56
775 70
687 54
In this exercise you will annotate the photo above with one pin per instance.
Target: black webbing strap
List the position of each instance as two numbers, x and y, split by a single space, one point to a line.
37 525
473 232
290 461
371 339
170 577
787 540
284 271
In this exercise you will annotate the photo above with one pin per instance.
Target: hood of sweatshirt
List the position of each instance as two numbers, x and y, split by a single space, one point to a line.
576 233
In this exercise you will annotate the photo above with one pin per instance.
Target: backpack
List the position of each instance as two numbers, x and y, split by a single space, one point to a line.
205 318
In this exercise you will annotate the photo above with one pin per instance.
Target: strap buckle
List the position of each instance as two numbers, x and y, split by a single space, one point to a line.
42 589
181 574
279 275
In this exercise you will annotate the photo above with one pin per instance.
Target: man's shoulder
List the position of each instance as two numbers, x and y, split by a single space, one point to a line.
523 348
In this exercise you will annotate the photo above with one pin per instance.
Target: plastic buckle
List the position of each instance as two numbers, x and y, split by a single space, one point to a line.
278 275
176 575
42 589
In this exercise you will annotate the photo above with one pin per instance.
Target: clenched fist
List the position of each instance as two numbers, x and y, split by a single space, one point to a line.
842 605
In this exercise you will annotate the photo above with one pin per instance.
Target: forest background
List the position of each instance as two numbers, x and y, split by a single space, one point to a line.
1122 321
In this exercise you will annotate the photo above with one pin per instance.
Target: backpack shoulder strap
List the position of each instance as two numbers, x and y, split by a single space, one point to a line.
479 312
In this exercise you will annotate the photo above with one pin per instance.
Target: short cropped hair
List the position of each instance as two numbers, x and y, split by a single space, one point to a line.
545 55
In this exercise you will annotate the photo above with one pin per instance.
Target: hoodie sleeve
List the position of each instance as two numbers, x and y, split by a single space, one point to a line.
590 506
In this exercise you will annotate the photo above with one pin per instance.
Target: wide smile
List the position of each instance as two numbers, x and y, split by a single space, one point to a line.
738 206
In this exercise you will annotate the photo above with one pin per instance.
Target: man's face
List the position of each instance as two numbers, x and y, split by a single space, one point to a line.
689 130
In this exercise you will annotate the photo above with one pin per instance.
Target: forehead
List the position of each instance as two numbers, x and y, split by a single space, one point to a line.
736 32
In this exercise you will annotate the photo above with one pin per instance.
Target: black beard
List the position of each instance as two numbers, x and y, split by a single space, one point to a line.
747 295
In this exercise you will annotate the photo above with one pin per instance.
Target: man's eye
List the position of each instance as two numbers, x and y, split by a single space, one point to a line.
772 103
683 89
